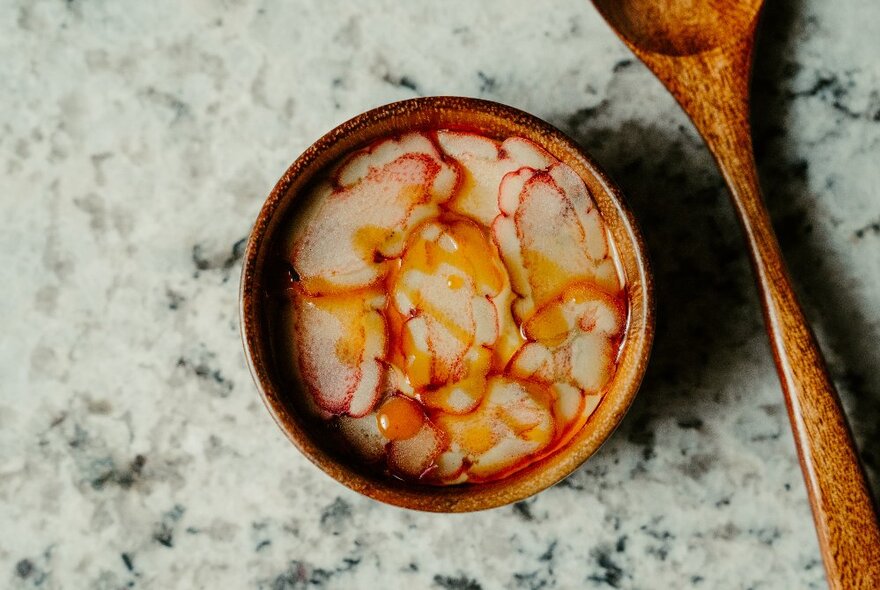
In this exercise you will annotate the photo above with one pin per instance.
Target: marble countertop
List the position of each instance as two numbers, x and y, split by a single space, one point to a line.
137 143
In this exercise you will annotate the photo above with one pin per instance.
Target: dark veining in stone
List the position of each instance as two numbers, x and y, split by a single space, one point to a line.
335 517
24 568
690 423
872 228
401 82
201 368
163 532
125 477
218 261
488 83
301 574
460 582
175 299
524 511
609 572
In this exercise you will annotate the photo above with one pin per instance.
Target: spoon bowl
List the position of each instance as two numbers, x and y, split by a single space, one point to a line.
679 27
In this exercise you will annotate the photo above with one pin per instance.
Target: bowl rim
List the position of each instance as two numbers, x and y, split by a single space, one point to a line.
639 286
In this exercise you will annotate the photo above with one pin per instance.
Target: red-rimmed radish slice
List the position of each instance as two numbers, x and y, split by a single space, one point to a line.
581 306
363 436
450 467
485 321
505 236
510 337
580 328
589 359
465 394
361 164
526 153
341 344
513 422
558 236
568 404
413 456
462 144
354 229
511 188
533 361
483 166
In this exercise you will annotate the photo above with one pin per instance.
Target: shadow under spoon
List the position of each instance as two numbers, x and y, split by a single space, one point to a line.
702 52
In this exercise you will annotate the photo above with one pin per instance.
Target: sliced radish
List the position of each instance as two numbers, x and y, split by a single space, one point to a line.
568 404
581 305
557 237
363 435
483 166
361 164
511 188
461 144
579 329
505 236
465 394
450 467
413 456
341 342
533 361
513 422
355 228
589 358
526 153
485 321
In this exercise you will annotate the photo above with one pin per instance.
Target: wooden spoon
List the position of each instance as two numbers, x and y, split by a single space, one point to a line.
702 52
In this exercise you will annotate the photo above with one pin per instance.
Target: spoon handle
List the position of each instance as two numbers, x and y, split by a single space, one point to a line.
843 510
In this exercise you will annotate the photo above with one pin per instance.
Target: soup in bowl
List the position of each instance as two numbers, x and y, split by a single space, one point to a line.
446 305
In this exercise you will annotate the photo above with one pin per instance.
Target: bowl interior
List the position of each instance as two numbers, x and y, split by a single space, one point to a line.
493 120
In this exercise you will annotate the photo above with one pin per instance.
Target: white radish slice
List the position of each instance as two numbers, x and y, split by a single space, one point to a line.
338 249
533 361
367 391
526 153
513 422
510 338
579 328
461 144
360 164
485 321
511 188
569 402
340 342
590 361
557 237
450 466
363 435
505 236
413 456
465 394
551 239
448 315
483 166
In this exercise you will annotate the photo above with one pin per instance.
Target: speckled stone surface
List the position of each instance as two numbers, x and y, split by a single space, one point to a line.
137 142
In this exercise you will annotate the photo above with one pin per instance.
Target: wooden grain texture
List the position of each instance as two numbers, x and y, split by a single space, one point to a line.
702 52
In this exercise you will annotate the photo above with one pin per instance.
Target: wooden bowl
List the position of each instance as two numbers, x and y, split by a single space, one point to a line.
493 120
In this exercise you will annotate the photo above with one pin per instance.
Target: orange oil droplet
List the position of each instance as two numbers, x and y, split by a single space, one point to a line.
399 418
